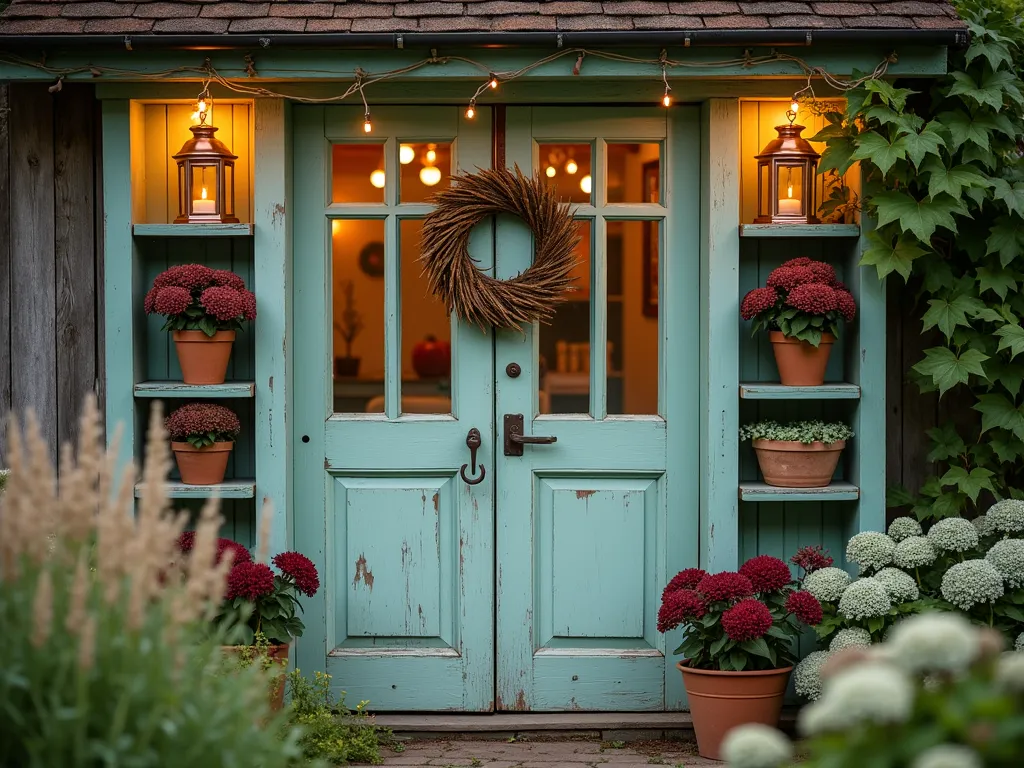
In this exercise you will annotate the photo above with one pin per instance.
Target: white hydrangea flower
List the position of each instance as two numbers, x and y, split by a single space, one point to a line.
984 525
948 756
953 534
1007 516
903 528
1010 671
827 584
945 642
914 552
1008 558
807 674
853 637
756 746
873 692
864 599
899 584
972 582
1018 644
871 550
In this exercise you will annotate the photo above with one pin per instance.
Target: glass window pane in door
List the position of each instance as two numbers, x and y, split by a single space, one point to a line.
357 173
633 317
426 332
357 313
567 169
565 343
426 168
633 173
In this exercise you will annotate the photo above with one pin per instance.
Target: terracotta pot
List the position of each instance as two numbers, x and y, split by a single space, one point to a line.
278 654
203 359
792 464
202 466
799 363
719 701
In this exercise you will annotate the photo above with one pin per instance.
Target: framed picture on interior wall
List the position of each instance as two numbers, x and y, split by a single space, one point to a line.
651 174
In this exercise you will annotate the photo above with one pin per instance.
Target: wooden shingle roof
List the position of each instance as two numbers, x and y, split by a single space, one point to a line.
217 17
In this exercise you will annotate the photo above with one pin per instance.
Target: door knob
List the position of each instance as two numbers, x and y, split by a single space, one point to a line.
515 439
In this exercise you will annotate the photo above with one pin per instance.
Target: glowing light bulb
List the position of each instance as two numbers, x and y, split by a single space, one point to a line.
666 100
795 106
470 112
494 82
571 167
550 171
406 154
367 125
430 175
431 156
377 179
201 106
586 184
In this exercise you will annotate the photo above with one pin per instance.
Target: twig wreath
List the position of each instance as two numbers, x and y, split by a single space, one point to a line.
454 277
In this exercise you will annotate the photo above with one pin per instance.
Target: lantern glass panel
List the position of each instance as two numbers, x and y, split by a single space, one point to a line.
182 190
229 189
764 203
792 198
204 189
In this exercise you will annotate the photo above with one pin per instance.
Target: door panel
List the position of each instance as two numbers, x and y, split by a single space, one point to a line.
588 527
405 616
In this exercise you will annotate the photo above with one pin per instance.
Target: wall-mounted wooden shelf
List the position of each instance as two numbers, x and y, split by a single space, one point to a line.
837 491
799 230
229 489
172 389
756 391
192 230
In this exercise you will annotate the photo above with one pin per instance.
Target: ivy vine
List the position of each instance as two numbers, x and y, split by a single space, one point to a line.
944 180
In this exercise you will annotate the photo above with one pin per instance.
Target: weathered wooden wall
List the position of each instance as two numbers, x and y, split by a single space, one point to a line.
50 255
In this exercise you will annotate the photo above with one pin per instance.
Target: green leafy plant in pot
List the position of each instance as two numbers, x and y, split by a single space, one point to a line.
738 633
350 325
802 454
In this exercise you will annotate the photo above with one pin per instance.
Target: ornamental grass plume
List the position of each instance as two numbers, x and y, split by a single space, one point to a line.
103 620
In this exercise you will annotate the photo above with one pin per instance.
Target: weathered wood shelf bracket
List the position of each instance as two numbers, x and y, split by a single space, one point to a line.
838 491
171 389
757 391
192 230
799 230
229 489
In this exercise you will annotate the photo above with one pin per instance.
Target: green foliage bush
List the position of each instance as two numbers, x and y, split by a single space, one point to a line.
798 431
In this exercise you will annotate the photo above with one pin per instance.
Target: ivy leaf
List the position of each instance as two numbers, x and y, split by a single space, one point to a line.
946 442
999 281
994 52
1011 336
946 505
1012 196
998 411
947 315
1009 376
876 148
951 180
989 91
838 156
891 254
963 128
890 95
927 142
1006 239
898 496
831 131
946 369
1006 447
969 483
921 217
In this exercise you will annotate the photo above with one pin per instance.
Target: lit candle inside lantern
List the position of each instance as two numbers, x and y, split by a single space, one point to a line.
789 205
203 205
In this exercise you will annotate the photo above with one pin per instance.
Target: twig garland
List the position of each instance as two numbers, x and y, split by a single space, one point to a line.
479 298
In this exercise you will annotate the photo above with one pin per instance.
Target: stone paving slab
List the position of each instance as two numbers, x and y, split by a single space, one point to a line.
546 754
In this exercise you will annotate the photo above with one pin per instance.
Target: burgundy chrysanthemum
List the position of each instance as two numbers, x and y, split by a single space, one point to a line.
239 553
688 578
811 558
188 276
757 301
202 419
186 541
766 573
678 607
149 303
222 302
250 580
845 304
725 586
822 271
301 570
747 620
805 607
248 305
228 278
813 298
787 278
172 300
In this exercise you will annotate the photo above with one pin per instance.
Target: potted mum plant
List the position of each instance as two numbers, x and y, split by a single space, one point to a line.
801 307
801 454
738 638
204 307
202 436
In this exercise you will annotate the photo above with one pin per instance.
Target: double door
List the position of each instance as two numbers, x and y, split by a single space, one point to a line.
494 529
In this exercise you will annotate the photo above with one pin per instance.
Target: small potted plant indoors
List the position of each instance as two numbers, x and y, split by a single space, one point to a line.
202 436
738 642
801 306
204 307
348 328
259 606
801 454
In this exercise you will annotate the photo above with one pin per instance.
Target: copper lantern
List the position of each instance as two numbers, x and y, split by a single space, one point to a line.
786 192
206 177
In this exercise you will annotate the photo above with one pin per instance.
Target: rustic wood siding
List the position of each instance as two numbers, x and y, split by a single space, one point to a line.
50 305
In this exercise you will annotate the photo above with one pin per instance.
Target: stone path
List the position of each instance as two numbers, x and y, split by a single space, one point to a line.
547 754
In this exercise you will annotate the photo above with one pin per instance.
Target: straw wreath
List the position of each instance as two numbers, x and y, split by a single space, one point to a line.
479 298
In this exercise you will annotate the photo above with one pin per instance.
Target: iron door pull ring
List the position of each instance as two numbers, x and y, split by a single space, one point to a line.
473 443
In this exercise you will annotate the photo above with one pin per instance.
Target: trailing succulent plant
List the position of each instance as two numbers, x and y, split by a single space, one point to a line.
798 431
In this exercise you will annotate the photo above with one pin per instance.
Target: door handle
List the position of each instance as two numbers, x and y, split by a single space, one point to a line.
473 443
515 439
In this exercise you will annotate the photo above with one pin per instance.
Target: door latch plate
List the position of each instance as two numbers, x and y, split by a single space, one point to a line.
513 426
